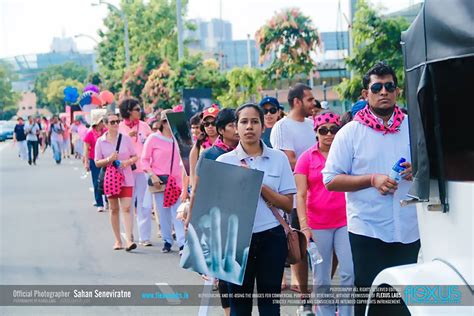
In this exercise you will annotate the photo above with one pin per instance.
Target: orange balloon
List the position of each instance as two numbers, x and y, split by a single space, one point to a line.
107 97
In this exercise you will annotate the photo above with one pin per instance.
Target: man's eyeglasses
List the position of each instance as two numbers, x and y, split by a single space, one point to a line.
207 124
114 122
137 109
271 110
377 87
324 130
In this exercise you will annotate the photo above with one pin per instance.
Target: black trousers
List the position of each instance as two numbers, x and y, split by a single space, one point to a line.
266 262
32 146
372 255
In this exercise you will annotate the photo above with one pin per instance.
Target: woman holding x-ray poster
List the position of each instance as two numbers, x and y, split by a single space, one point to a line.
268 249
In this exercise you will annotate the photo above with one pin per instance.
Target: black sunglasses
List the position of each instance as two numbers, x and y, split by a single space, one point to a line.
271 110
324 130
114 122
377 87
207 124
137 109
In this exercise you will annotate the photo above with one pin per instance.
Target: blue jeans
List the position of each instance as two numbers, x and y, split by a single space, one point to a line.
266 262
56 146
95 179
32 147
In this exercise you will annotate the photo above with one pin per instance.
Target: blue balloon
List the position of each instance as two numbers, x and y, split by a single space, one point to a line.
70 94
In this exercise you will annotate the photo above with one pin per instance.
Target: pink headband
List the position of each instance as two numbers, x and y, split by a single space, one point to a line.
325 118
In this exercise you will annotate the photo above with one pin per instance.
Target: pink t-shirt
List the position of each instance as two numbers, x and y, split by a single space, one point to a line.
82 131
91 138
157 154
324 209
143 131
104 149
66 133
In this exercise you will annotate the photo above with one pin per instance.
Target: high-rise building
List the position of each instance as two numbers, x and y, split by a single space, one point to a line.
236 53
63 50
63 45
208 34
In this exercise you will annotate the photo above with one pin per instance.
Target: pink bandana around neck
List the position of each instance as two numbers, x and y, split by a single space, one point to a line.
219 143
366 118
207 143
130 123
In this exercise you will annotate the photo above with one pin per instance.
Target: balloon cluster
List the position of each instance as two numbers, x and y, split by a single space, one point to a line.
91 98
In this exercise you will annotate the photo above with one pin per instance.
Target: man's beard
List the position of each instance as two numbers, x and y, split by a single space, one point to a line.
383 112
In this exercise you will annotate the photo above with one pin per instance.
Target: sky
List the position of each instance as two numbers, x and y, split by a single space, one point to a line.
28 26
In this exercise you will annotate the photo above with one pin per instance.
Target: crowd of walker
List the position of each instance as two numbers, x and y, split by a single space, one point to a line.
329 176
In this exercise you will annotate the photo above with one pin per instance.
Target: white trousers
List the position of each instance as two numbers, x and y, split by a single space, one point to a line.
328 241
168 220
143 212
22 149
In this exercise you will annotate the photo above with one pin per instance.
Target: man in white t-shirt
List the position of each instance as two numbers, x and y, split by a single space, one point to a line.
32 131
293 135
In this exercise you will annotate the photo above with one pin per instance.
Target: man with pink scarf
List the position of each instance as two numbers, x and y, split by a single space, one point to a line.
381 233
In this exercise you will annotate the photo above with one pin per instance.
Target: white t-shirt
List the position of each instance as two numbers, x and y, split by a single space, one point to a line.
288 134
277 175
56 132
31 131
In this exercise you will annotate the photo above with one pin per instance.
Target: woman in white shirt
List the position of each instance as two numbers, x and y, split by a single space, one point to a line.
268 249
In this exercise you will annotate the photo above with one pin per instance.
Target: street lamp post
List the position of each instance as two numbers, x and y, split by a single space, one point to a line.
125 28
324 90
88 36
180 30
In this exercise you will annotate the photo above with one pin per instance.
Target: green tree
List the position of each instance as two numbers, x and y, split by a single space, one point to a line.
165 84
55 93
66 71
375 38
156 93
245 85
194 72
152 37
291 37
8 97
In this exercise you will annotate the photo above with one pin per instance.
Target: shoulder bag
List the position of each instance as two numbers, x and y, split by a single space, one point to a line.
295 238
168 185
110 179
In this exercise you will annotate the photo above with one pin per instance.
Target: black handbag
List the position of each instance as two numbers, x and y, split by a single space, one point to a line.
163 178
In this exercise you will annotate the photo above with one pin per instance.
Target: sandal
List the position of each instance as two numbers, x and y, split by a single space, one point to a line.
118 247
295 288
131 247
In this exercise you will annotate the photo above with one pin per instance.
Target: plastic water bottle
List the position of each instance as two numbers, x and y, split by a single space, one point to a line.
314 254
396 169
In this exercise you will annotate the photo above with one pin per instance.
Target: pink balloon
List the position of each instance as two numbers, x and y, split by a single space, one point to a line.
96 100
107 97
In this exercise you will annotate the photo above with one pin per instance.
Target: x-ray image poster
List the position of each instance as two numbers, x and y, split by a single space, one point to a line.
196 100
220 232
181 130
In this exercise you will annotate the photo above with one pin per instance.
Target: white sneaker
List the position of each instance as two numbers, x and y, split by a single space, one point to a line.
100 209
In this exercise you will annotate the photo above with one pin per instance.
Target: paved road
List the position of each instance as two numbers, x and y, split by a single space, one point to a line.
52 235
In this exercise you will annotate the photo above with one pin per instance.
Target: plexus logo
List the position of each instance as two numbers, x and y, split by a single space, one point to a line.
432 295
